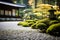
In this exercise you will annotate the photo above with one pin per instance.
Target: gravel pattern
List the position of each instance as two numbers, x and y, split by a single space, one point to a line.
25 35
11 31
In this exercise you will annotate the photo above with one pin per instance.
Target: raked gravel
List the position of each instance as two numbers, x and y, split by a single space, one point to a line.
25 35
11 31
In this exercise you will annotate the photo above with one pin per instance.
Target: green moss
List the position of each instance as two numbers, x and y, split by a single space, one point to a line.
33 26
41 26
46 21
58 18
20 23
54 29
24 24
53 22
30 21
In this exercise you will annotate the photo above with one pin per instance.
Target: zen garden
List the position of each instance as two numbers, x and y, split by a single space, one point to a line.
41 16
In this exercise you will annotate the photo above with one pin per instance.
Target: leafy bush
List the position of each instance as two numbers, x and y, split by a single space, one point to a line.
53 22
41 26
54 29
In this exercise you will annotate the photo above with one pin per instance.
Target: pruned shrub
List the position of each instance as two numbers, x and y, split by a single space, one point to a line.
54 29
53 22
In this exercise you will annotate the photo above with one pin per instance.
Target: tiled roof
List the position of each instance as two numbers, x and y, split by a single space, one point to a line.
11 4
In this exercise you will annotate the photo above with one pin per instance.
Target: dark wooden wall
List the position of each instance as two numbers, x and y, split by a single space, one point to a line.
10 1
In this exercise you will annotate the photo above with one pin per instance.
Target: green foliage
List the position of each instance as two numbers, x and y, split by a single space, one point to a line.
54 29
58 18
31 23
24 24
20 23
41 26
46 21
33 26
53 22
27 23
38 22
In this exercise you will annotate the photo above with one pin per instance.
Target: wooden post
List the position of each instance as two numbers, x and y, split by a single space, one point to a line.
11 12
4 12
0 12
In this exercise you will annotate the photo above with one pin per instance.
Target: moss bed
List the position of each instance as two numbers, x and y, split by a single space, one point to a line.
45 25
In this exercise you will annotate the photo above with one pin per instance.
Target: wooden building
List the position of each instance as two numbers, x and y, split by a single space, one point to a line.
9 10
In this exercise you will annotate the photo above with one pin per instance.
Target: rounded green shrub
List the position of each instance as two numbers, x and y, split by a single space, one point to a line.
54 29
53 22
41 26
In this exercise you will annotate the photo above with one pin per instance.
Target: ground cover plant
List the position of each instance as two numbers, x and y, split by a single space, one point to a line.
49 23
45 25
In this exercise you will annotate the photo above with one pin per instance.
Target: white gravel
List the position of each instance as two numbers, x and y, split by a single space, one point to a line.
10 31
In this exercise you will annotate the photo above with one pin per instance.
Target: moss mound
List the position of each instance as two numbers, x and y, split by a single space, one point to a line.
20 23
54 29
45 25
30 21
58 18
34 26
24 24
41 26
53 22
46 21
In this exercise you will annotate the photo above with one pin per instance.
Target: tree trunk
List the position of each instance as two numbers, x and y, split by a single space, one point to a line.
58 3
